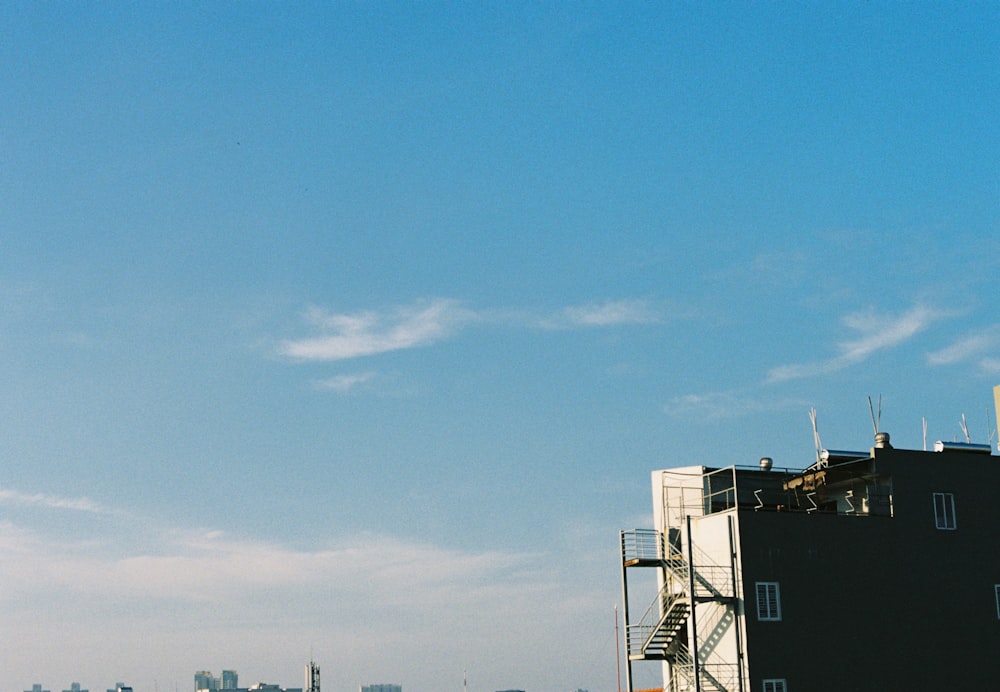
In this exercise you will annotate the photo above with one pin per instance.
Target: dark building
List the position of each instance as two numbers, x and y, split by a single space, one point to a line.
867 571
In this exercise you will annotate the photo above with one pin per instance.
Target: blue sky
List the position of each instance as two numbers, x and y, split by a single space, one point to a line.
355 329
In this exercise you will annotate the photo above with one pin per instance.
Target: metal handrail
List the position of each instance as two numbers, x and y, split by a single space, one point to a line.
642 544
721 676
638 635
710 575
711 580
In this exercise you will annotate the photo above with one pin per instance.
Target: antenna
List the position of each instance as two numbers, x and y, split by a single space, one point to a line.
990 430
875 419
819 445
965 429
996 408
618 653
925 433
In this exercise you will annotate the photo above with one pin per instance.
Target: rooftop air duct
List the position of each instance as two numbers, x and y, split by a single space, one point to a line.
970 447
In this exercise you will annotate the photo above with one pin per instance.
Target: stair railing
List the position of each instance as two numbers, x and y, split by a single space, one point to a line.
639 635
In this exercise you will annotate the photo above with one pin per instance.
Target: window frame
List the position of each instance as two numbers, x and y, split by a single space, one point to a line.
775 685
945 517
996 595
768 607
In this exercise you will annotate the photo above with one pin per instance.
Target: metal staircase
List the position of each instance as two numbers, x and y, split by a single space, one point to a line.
654 636
712 677
664 630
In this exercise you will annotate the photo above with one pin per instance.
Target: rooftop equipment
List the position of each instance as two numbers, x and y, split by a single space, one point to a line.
836 456
971 447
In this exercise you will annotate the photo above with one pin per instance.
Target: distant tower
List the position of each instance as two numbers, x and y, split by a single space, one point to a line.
312 677
230 680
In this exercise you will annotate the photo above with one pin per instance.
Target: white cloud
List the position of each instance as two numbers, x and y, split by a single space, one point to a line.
611 313
368 333
877 332
979 347
81 504
719 405
211 568
344 383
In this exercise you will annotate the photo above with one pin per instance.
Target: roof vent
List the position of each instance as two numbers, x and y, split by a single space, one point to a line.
766 463
882 440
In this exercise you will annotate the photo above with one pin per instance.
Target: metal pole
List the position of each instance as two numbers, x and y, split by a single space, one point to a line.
628 658
996 411
618 653
736 605
694 608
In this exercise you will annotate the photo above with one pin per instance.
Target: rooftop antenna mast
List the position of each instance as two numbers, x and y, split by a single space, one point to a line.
816 441
876 419
991 431
925 432
965 430
996 410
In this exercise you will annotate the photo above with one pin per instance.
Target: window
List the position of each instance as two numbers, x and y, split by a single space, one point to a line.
768 601
944 511
775 685
996 594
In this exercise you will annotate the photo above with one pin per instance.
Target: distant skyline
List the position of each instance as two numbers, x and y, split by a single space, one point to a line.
353 331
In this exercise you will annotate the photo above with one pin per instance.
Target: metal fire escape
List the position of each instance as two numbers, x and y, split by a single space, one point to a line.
669 630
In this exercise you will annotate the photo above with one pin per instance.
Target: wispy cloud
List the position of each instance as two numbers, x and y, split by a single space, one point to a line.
210 567
215 568
611 313
728 404
79 504
344 383
980 347
368 333
877 332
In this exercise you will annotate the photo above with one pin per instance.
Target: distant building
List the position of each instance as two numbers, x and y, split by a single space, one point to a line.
75 687
203 680
37 687
121 687
381 688
855 573
312 677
